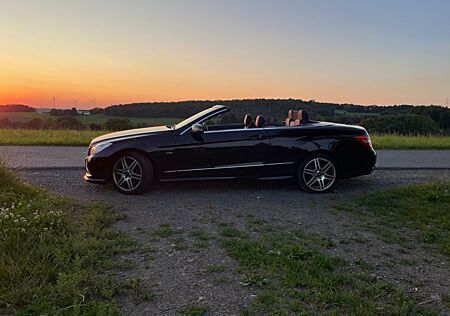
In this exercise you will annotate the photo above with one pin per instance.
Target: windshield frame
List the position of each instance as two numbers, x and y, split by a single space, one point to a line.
200 117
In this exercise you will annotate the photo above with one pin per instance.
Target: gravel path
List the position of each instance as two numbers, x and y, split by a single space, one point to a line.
72 157
175 269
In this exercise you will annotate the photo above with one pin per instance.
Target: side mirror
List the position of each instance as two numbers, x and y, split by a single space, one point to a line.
197 129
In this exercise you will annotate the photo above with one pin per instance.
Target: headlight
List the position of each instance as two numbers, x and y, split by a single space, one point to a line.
99 147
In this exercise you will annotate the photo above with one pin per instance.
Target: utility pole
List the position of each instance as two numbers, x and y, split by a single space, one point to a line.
54 101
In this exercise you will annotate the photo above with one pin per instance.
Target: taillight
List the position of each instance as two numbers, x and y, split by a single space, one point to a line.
364 140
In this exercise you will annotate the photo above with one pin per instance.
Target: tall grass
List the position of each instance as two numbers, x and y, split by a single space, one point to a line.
23 137
54 252
82 138
395 141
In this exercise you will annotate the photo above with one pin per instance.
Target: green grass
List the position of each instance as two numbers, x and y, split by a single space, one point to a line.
56 253
291 275
164 231
424 208
392 141
24 137
194 310
89 119
215 268
82 138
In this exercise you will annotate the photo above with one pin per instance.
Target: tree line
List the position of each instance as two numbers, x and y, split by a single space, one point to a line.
16 108
402 119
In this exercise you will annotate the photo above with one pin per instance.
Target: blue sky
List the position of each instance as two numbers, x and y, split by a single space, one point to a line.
367 52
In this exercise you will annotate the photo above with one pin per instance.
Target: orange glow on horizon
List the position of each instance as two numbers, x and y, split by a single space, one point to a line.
179 50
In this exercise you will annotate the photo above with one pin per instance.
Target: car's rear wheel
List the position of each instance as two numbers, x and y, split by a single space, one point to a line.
318 173
132 173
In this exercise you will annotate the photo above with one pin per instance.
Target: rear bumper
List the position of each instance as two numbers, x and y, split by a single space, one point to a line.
364 165
372 161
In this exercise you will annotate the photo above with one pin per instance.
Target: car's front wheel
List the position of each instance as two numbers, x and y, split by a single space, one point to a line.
318 173
132 173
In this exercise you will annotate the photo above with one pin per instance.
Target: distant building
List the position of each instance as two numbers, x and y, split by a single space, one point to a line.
84 112
43 110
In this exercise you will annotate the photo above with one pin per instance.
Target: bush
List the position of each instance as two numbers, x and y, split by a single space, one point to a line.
405 124
6 123
35 123
95 127
66 122
118 124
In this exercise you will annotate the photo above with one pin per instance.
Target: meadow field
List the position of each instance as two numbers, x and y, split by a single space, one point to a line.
394 141
25 137
58 255
24 117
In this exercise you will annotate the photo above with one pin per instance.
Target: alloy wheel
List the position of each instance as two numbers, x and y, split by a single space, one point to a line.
319 174
127 173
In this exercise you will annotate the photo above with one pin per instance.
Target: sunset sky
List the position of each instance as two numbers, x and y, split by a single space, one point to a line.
365 52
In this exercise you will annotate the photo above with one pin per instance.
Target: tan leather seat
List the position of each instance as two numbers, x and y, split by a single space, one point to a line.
296 118
292 115
248 121
260 121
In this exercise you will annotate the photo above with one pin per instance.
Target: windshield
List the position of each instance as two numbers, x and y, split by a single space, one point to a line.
192 118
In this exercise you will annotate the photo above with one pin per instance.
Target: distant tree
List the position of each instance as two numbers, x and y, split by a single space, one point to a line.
16 108
402 124
95 127
444 120
118 124
35 123
64 112
66 122
6 123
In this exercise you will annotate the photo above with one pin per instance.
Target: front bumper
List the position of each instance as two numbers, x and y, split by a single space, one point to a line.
96 170
88 178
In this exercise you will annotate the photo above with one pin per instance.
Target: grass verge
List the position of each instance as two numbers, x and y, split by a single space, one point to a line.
25 137
295 277
424 208
392 141
56 255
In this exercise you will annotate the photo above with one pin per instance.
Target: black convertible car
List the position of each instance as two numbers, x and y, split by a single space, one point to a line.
316 153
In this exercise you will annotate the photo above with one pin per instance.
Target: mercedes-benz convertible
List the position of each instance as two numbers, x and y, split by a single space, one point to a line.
315 153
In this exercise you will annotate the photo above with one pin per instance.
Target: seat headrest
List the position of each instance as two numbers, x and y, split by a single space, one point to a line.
303 116
260 121
293 114
248 121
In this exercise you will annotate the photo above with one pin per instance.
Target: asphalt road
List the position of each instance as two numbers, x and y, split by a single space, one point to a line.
48 157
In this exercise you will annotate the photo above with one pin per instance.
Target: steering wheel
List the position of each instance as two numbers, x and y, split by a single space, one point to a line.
205 127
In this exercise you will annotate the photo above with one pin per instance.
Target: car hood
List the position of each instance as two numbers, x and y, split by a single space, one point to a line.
131 133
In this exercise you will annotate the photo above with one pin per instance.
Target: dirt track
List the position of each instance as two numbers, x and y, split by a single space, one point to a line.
175 270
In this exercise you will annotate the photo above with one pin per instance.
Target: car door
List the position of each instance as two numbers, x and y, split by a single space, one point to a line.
221 153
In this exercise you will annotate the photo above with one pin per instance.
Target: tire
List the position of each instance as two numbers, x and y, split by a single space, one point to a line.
132 173
318 173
